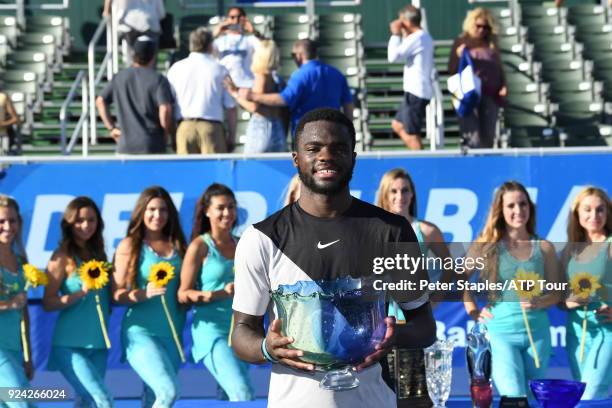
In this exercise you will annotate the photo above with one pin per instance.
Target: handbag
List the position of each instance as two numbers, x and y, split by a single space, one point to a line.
464 86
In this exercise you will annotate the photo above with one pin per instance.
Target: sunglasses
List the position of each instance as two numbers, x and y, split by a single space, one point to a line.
483 27
235 16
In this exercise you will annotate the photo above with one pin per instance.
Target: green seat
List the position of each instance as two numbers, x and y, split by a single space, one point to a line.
574 113
349 66
57 26
382 66
28 56
585 135
18 76
335 18
295 32
533 136
503 16
340 31
340 49
587 15
524 117
573 96
523 99
291 19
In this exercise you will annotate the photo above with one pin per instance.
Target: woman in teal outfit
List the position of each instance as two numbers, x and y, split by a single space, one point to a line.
207 282
509 245
78 348
589 251
397 194
154 235
14 371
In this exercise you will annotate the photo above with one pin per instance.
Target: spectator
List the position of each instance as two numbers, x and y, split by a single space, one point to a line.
8 118
234 48
266 131
201 99
480 38
144 104
414 47
134 19
313 85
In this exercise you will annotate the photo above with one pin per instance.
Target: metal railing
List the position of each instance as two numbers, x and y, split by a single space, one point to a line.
106 66
81 126
434 119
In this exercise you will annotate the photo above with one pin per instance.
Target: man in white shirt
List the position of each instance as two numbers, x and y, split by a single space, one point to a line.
410 44
201 98
235 43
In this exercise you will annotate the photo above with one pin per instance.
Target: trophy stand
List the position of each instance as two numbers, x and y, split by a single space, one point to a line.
407 372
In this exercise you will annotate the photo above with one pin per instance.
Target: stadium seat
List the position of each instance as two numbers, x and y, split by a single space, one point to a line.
55 25
8 28
573 113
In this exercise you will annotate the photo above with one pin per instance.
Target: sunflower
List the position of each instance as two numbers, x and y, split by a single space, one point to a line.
584 285
34 276
524 290
94 274
161 274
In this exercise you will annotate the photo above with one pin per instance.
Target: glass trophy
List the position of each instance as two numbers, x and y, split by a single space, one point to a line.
478 355
438 370
335 323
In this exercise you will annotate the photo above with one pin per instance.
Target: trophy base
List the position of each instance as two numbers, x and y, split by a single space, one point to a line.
339 380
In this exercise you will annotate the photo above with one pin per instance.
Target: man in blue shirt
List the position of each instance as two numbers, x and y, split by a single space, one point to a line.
313 85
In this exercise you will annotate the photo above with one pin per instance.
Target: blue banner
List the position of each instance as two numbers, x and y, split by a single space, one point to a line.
453 192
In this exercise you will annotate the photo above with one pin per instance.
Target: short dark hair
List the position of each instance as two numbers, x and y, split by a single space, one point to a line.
329 115
144 50
200 40
308 47
412 14
240 10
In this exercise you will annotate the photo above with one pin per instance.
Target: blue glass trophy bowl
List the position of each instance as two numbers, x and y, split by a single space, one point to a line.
557 393
335 323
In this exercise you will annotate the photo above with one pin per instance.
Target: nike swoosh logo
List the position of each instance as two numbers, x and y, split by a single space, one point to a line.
323 246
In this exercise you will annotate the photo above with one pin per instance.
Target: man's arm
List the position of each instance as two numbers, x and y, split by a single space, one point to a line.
271 99
247 335
231 115
421 325
108 121
165 120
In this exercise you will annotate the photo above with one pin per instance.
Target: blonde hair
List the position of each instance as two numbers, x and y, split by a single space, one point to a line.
382 194
18 248
495 227
293 190
469 25
575 232
266 57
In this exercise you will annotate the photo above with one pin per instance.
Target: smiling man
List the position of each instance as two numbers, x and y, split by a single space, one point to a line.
326 234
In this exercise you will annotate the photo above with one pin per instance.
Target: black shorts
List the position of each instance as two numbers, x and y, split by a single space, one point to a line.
411 113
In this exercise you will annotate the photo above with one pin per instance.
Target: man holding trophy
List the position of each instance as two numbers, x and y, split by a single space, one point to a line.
307 266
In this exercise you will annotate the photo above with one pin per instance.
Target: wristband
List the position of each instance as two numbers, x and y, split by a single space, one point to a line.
265 353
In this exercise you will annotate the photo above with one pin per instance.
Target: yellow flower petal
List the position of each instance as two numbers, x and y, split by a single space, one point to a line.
584 285
94 274
161 273
34 276
527 290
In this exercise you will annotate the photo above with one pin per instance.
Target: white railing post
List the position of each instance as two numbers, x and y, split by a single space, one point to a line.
85 129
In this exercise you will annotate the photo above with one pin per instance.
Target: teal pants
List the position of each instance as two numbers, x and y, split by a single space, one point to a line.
156 360
84 369
512 360
596 367
231 373
12 375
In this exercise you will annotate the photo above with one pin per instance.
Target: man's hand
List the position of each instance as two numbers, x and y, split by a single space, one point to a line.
276 345
383 348
247 25
115 133
396 27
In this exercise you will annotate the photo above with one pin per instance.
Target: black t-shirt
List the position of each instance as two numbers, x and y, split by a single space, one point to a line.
138 93
292 246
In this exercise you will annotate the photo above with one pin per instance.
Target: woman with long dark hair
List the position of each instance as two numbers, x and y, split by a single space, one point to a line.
79 350
149 344
207 282
15 370
512 251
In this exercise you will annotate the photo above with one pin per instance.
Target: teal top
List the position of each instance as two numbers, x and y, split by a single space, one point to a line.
212 321
600 267
507 313
148 316
11 284
416 226
78 325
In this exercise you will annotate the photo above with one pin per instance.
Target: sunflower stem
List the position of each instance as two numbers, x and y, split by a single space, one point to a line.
102 322
24 342
179 347
583 336
536 358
